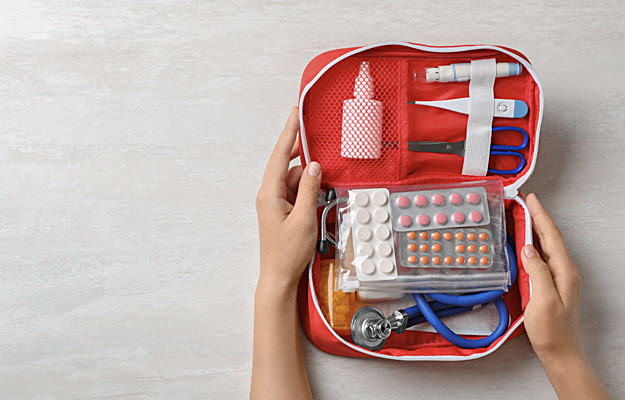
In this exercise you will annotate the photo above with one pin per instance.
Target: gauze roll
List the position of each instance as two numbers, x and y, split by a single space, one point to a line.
361 135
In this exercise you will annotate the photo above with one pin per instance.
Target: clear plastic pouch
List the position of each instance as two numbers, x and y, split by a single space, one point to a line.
446 238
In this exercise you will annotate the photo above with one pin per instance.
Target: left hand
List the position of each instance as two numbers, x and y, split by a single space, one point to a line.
552 314
287 212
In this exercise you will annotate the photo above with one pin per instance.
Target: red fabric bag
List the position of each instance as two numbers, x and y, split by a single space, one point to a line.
328 80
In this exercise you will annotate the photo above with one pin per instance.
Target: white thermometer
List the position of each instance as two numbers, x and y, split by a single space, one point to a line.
503 107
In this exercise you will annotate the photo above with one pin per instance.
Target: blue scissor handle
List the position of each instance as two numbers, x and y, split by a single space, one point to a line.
516 170
503 147
507 150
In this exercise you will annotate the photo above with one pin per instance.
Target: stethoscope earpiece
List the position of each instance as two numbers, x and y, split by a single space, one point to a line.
323 247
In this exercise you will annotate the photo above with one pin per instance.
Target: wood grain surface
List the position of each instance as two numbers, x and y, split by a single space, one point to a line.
133 137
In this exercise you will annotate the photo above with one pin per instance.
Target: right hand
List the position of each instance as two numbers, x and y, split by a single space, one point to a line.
552 314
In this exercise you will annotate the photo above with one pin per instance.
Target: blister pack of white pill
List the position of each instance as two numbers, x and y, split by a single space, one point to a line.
372 234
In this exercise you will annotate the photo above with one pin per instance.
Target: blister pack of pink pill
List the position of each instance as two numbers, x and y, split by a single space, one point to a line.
440 208
422 238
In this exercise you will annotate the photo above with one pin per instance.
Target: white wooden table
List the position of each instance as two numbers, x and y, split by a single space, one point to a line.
133 137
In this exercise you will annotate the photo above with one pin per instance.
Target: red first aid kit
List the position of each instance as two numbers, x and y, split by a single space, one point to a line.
352 156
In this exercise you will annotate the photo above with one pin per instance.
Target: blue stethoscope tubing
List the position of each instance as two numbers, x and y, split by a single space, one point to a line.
446 305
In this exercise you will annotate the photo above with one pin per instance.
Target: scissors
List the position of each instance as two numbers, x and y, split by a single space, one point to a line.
495 149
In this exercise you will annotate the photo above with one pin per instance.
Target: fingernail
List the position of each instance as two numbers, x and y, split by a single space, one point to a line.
530 251
314 169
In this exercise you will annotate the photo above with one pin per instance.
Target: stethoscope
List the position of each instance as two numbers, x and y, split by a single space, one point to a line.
370 328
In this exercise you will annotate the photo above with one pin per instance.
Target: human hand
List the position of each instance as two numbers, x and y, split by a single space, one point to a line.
286 205
552 314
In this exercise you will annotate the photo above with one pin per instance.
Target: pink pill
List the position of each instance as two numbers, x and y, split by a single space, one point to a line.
476 216
458 217
423 219
473 198
438 200
402 201
455 199
421 201
405 220
440 218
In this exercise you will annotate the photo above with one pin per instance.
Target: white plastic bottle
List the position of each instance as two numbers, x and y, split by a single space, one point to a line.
361 135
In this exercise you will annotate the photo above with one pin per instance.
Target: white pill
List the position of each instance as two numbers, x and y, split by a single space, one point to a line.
361 199
380 198
386 266
363 233
382 232
365 250
363 217
380 215
385 249
367 267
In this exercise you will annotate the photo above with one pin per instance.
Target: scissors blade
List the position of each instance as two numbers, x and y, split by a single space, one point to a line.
438 147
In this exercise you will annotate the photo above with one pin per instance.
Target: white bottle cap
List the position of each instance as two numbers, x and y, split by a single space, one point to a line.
364 82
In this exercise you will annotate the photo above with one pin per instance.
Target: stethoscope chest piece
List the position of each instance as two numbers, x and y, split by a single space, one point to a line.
370 328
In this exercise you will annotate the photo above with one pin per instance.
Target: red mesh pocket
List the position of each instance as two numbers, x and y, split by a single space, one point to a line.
353 128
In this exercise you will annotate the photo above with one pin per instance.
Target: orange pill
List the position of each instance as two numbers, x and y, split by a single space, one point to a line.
436 247
424 247
472 260
436 260
460 248
472 248
412 247
436 236
447 236
449 260
471 236
423 235
412 259
460 260
412 235
484 260
483 236
483 248
425 260
459 235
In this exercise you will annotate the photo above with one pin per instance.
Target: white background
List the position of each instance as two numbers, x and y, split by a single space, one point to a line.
133 137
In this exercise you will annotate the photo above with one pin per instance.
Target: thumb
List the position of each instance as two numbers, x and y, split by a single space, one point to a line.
308 190
538 270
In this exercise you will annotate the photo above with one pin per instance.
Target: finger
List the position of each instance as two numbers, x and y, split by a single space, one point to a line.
308 191
292 182
551 240
278 164
563 270
540 275
295 149
546 229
